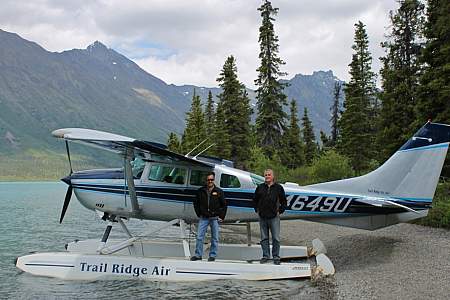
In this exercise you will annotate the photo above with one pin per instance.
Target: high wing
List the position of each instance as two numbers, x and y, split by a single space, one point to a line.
121 144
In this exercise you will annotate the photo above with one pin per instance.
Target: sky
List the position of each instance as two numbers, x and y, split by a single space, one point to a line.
187 42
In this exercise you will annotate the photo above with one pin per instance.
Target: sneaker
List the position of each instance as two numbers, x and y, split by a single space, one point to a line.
194 258
276 261
211 259
263 260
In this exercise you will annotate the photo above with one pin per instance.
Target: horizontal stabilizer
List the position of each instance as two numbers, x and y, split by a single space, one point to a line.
380 202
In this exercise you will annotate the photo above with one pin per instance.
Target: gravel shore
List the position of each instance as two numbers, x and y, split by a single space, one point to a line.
404 261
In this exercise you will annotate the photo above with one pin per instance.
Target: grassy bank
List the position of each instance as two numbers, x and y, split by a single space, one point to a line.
42 166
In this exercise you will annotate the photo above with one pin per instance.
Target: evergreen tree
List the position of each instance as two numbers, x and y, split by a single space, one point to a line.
326 142
210 118
195 132
209 115
236 111
291 153
270 119
335 114
356 123
222 147
434 94
400 77
309 138
173 143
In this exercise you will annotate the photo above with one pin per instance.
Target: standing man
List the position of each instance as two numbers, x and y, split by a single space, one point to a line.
210 207
269 202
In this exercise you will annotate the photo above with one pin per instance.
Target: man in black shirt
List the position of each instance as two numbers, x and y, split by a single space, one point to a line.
210 207
269 202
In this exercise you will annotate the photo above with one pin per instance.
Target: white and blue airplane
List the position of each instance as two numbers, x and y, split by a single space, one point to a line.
157 184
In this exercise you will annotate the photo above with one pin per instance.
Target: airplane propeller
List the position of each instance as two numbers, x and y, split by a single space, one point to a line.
69 189
66 202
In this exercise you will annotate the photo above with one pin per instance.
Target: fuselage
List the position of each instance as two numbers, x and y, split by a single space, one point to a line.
165 191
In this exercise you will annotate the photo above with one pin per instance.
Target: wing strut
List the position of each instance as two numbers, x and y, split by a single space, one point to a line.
130 182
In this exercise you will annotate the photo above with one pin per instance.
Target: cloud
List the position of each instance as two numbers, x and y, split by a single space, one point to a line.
187 42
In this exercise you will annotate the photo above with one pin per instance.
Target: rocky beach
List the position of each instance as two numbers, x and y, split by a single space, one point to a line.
404 261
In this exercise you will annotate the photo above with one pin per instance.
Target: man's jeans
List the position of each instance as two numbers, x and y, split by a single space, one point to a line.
274 225
202 227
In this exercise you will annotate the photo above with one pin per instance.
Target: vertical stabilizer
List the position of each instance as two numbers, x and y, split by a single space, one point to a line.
412 173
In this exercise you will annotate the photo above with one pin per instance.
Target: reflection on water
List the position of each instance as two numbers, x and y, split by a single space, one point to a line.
30 214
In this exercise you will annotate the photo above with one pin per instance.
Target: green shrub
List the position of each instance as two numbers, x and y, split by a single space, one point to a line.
439 215
330 166
258 162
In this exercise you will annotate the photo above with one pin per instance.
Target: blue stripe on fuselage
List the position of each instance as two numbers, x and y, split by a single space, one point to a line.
244 200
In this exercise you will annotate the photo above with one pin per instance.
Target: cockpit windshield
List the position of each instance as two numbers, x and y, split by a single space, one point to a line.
256 179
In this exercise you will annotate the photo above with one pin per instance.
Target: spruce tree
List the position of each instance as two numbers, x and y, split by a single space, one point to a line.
309 138
209 115
434 94
400 77
292 153
326 142
195 131
357 123
236 111
335 114
270 119
173 143
222 147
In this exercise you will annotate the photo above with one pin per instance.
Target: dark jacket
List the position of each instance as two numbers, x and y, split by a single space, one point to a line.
215 207
268 201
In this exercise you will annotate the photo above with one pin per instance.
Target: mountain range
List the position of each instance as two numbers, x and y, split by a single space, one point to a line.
102 89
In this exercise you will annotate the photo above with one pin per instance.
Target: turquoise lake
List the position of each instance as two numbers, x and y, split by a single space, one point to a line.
29 214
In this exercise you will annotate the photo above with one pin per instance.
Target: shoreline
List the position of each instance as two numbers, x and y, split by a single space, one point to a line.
403 261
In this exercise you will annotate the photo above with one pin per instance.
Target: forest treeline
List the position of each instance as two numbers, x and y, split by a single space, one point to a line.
368 128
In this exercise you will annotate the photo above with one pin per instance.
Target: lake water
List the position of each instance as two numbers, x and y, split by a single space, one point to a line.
29 214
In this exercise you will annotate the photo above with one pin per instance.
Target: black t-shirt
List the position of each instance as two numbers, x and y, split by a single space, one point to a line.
269 200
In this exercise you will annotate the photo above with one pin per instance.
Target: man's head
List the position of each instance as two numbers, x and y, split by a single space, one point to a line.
269 176
210 179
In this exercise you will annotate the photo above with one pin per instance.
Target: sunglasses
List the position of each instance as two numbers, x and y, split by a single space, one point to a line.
209 179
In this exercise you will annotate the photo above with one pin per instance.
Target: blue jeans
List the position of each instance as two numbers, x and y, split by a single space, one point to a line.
274 225
202 227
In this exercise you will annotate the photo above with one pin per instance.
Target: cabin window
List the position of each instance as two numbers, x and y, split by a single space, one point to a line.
167 174
198 177
229 181
256 179
137 166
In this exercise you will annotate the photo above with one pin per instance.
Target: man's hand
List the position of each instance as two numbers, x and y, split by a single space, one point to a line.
220 220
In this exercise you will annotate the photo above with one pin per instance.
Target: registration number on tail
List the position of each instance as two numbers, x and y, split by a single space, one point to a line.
318 203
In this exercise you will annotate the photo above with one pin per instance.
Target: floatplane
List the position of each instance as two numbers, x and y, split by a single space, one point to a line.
157 184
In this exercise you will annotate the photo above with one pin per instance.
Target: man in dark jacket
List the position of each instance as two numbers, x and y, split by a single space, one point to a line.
269 202
210 207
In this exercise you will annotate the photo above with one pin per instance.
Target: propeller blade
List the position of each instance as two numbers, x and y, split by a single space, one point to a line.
68 156
66 203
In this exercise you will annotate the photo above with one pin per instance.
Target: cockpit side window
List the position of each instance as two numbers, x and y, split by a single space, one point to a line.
137 166
229 181
168 174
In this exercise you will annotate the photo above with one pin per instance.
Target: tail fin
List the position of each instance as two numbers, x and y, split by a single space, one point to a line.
412 173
